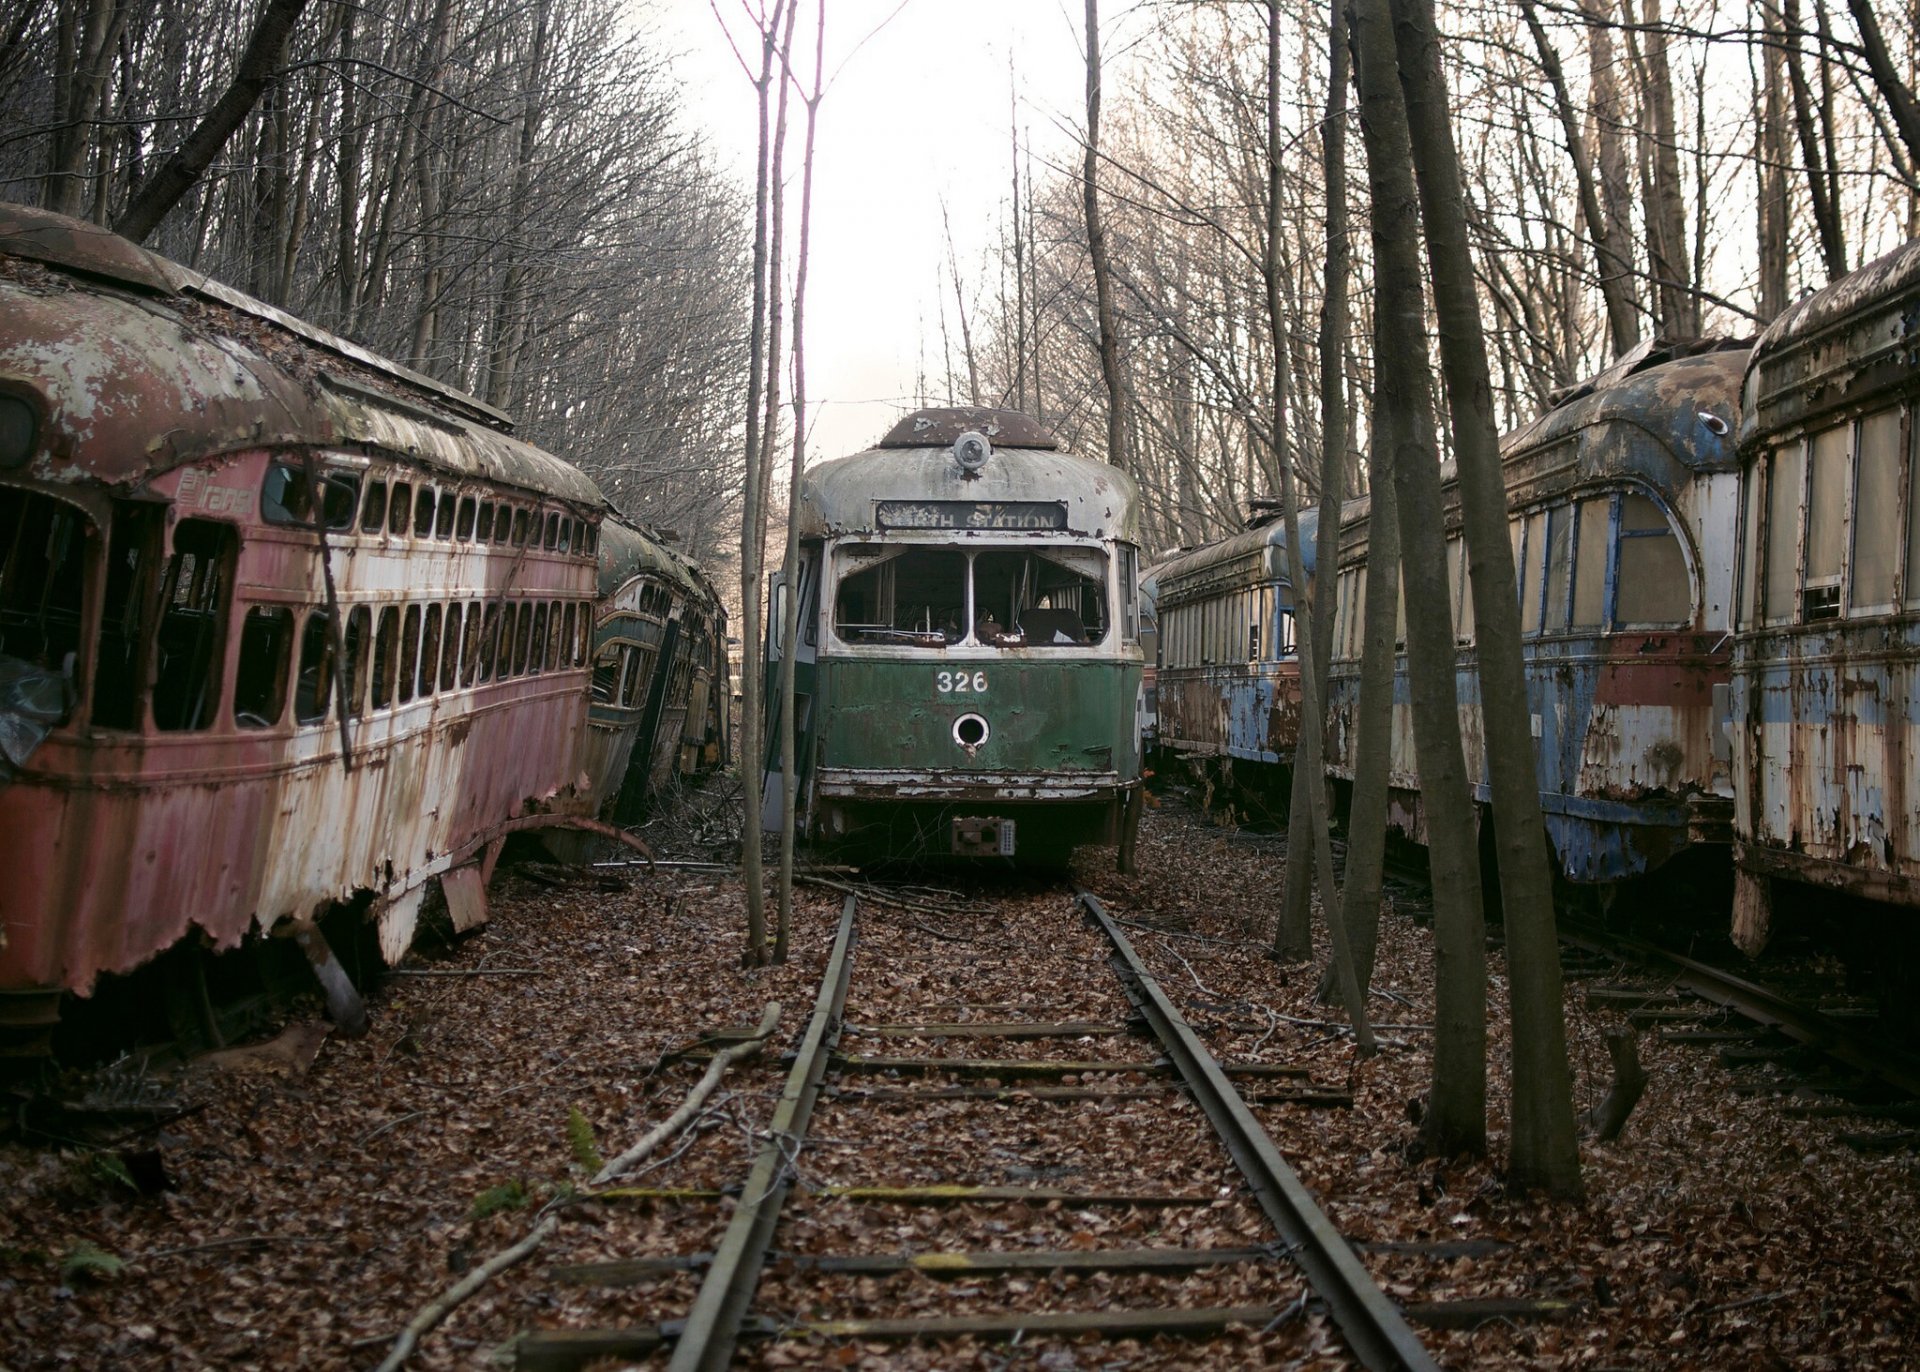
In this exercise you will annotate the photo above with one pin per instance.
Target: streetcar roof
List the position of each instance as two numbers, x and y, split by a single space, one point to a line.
1840 345
847 495
627 552
1257 554
1687 405
143 366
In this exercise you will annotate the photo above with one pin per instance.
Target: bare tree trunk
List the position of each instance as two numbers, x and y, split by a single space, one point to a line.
790 564
1614 268
960 308
507 311
1097 250
1679 306
84 57
177 175
1771 154
1456 1118
1308 754
752 525
1373 731
1019 249
1294 939
1610 124
1545 1151
1826 212
1899 97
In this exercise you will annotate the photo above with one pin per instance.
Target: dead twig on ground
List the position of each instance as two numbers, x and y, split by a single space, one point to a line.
436 1310
697 1097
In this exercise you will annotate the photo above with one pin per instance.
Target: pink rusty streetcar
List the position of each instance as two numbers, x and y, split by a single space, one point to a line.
285 628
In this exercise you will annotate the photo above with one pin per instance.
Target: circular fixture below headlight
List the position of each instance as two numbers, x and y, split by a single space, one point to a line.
970 731
18 426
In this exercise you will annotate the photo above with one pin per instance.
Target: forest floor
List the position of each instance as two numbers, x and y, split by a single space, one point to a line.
319 1190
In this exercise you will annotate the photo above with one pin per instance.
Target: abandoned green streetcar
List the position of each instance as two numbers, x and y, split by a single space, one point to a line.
968 669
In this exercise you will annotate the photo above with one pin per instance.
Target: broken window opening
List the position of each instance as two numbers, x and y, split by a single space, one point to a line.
386 656
313 688
522 636
489 641
905 595
191 640
443 522
537 649
429 664
286 497
373 513
463 521
409 660
133 554
553 532
424 504
450 650
568 637
1043 598
470 648
43 574
483 525
401 510
640 682
606 674
359 631
520 528
260 681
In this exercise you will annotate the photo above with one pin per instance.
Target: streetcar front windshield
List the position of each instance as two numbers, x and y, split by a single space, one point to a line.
935 597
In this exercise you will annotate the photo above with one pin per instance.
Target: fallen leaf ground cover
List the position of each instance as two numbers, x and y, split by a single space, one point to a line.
312 1209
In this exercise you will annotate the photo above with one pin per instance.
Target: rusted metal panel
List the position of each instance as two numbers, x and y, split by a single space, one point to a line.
1826 749
133 836
1631 754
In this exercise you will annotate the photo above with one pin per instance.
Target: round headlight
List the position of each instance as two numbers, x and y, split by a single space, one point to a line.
18 426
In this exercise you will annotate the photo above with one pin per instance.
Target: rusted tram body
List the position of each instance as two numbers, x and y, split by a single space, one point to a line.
1229 680
1826 670
968 673
289 627
1623 502
655 710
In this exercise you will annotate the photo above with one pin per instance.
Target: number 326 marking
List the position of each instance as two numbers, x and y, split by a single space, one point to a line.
961 681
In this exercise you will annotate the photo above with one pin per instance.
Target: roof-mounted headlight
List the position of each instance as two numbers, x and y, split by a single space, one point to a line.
19 427
971 450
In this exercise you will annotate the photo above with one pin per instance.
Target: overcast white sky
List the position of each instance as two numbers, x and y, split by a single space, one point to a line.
917 113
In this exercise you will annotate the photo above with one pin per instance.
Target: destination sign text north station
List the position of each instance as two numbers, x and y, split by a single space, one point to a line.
971 514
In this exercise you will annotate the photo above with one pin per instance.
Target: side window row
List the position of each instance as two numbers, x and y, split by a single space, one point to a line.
1596 564
1822 527
412 651
400 508
1242 626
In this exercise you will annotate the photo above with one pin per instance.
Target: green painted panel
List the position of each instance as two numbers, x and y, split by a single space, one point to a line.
1042 716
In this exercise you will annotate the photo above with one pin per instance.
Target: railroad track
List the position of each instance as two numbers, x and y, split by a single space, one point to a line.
1685 1000
988 1197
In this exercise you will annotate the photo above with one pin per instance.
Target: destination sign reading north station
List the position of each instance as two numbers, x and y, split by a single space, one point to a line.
971 514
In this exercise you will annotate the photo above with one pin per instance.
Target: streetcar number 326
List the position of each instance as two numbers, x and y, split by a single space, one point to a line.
957 682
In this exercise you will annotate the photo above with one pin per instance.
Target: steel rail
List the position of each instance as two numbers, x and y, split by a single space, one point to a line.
1756 1003
713 1326
1373 1325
